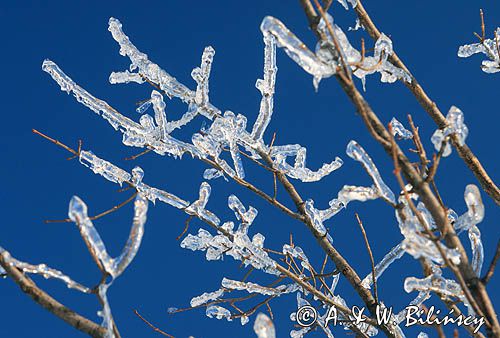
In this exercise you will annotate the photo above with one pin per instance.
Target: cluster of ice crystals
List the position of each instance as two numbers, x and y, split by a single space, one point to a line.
264 327
399 130
489 47
299 170
454 125
234 243
356 152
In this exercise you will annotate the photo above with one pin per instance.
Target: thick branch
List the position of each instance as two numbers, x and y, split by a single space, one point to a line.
50 304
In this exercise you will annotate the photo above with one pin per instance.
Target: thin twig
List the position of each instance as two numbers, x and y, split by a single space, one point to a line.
152 326
367 243
493 264
50 304
104 213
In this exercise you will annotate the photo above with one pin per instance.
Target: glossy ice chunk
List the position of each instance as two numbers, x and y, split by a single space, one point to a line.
477 249
399 130
125 77
212 173
264 327
475 209
215 311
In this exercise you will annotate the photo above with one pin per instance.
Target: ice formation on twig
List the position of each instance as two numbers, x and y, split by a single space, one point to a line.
454 125
399 130
489 47
356 152
325 61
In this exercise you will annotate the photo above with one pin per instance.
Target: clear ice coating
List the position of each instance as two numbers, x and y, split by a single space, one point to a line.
218 312
113 266
296 49
454 125
43 270
399 130
435 283
469 220
266 88
396 253
264 327
227 130
356 152
255 288
487 47
206 297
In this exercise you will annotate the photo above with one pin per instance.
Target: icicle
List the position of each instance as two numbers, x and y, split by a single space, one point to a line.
201 76
78 214
198 207
296 49
266 88
399 130
264 327
477 249
240 212
160 115
475 209
396 253
356 152
206 297
315 217
135 237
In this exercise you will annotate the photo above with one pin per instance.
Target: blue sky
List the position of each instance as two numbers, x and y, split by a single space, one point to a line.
38 182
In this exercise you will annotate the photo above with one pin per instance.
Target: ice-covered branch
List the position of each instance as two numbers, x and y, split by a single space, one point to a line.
454 125
488 47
